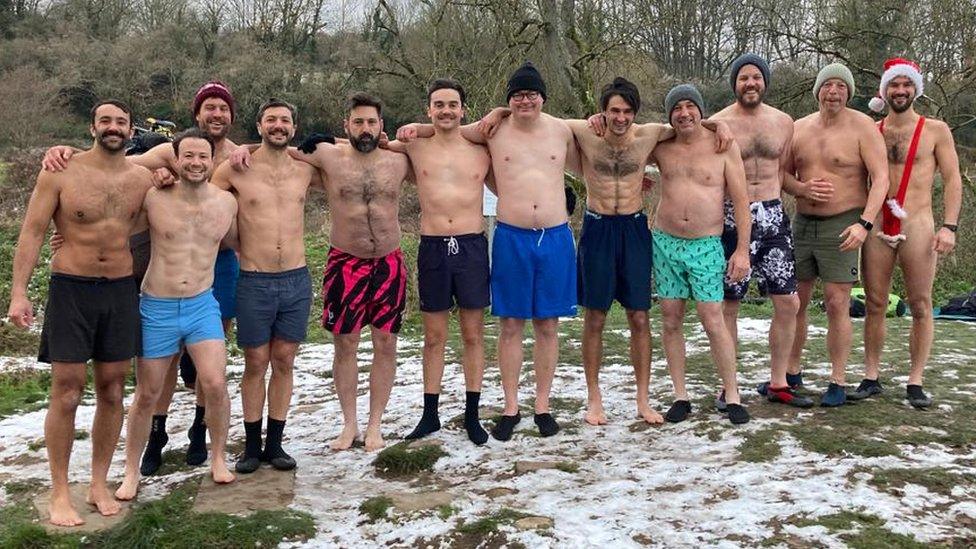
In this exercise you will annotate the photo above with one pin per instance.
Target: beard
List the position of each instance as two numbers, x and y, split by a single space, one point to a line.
276 145
749 102
366 142
112 147
903 107
218 134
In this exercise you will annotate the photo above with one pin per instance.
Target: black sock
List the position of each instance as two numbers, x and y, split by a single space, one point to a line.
506 424
272 443
252 438
198 417
472 423
547 424
430 421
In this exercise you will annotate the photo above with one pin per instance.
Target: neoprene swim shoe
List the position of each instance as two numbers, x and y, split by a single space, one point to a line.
865 389
834 396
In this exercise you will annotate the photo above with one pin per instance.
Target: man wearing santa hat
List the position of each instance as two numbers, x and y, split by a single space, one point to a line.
908 235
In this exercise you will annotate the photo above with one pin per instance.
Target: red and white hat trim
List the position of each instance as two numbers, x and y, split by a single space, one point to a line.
893 68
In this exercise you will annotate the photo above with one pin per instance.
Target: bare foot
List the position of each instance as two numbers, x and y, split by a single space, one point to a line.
374 440
63 513
649 415
102 499
345 439
594 414
220 473
129 488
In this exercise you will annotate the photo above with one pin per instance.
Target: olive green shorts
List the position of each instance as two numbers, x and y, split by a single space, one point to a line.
817 247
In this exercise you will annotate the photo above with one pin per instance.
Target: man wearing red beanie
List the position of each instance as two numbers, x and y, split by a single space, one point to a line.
213 108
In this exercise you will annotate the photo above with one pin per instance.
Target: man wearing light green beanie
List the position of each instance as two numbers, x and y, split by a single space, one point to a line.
831 72
842 147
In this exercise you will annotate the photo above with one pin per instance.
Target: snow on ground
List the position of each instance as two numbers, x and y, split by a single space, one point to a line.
669 485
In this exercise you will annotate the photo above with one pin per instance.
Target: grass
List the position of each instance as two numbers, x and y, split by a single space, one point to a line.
376 508
568 467
400 460
863 531
446 511
935 480
19 488
171 522
36 287
168 522
17 342
490 524
760 446
23 390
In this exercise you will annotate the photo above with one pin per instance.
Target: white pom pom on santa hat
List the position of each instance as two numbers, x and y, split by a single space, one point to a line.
895 67
876 104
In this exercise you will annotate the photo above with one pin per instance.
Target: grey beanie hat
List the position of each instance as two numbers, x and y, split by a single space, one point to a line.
749 59
680 93
835 70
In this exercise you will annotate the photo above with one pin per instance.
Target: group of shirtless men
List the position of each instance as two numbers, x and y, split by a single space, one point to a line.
716 175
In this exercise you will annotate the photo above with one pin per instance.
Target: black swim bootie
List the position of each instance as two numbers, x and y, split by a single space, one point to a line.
279 459
506 424
917 397
865 389
472 421
547 424
250 460
152 457
196 452
678 412
247 464
273 453
738 414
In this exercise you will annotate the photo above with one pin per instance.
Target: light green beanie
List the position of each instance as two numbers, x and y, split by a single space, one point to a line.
834 70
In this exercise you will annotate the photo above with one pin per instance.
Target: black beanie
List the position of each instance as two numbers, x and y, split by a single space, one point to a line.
526 78
749 59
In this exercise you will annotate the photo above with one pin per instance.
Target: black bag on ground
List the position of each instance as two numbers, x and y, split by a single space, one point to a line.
960 306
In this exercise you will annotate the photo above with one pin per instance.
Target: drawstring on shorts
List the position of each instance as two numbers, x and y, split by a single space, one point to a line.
452 246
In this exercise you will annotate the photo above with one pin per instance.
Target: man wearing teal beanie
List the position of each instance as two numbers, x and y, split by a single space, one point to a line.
841 146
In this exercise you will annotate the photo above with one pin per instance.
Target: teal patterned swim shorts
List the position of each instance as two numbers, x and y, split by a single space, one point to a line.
689 267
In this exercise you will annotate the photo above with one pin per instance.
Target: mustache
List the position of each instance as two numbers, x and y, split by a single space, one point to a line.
108 133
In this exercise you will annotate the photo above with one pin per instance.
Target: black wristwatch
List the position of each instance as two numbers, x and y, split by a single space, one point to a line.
865 223
951 227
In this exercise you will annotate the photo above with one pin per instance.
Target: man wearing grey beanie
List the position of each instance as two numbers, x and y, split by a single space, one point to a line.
614 252
689 262
840 145
763 134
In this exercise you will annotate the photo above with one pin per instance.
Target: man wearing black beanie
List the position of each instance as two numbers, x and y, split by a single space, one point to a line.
763 134
614 254
533 253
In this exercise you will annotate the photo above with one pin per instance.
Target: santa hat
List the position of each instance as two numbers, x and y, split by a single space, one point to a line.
894 68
